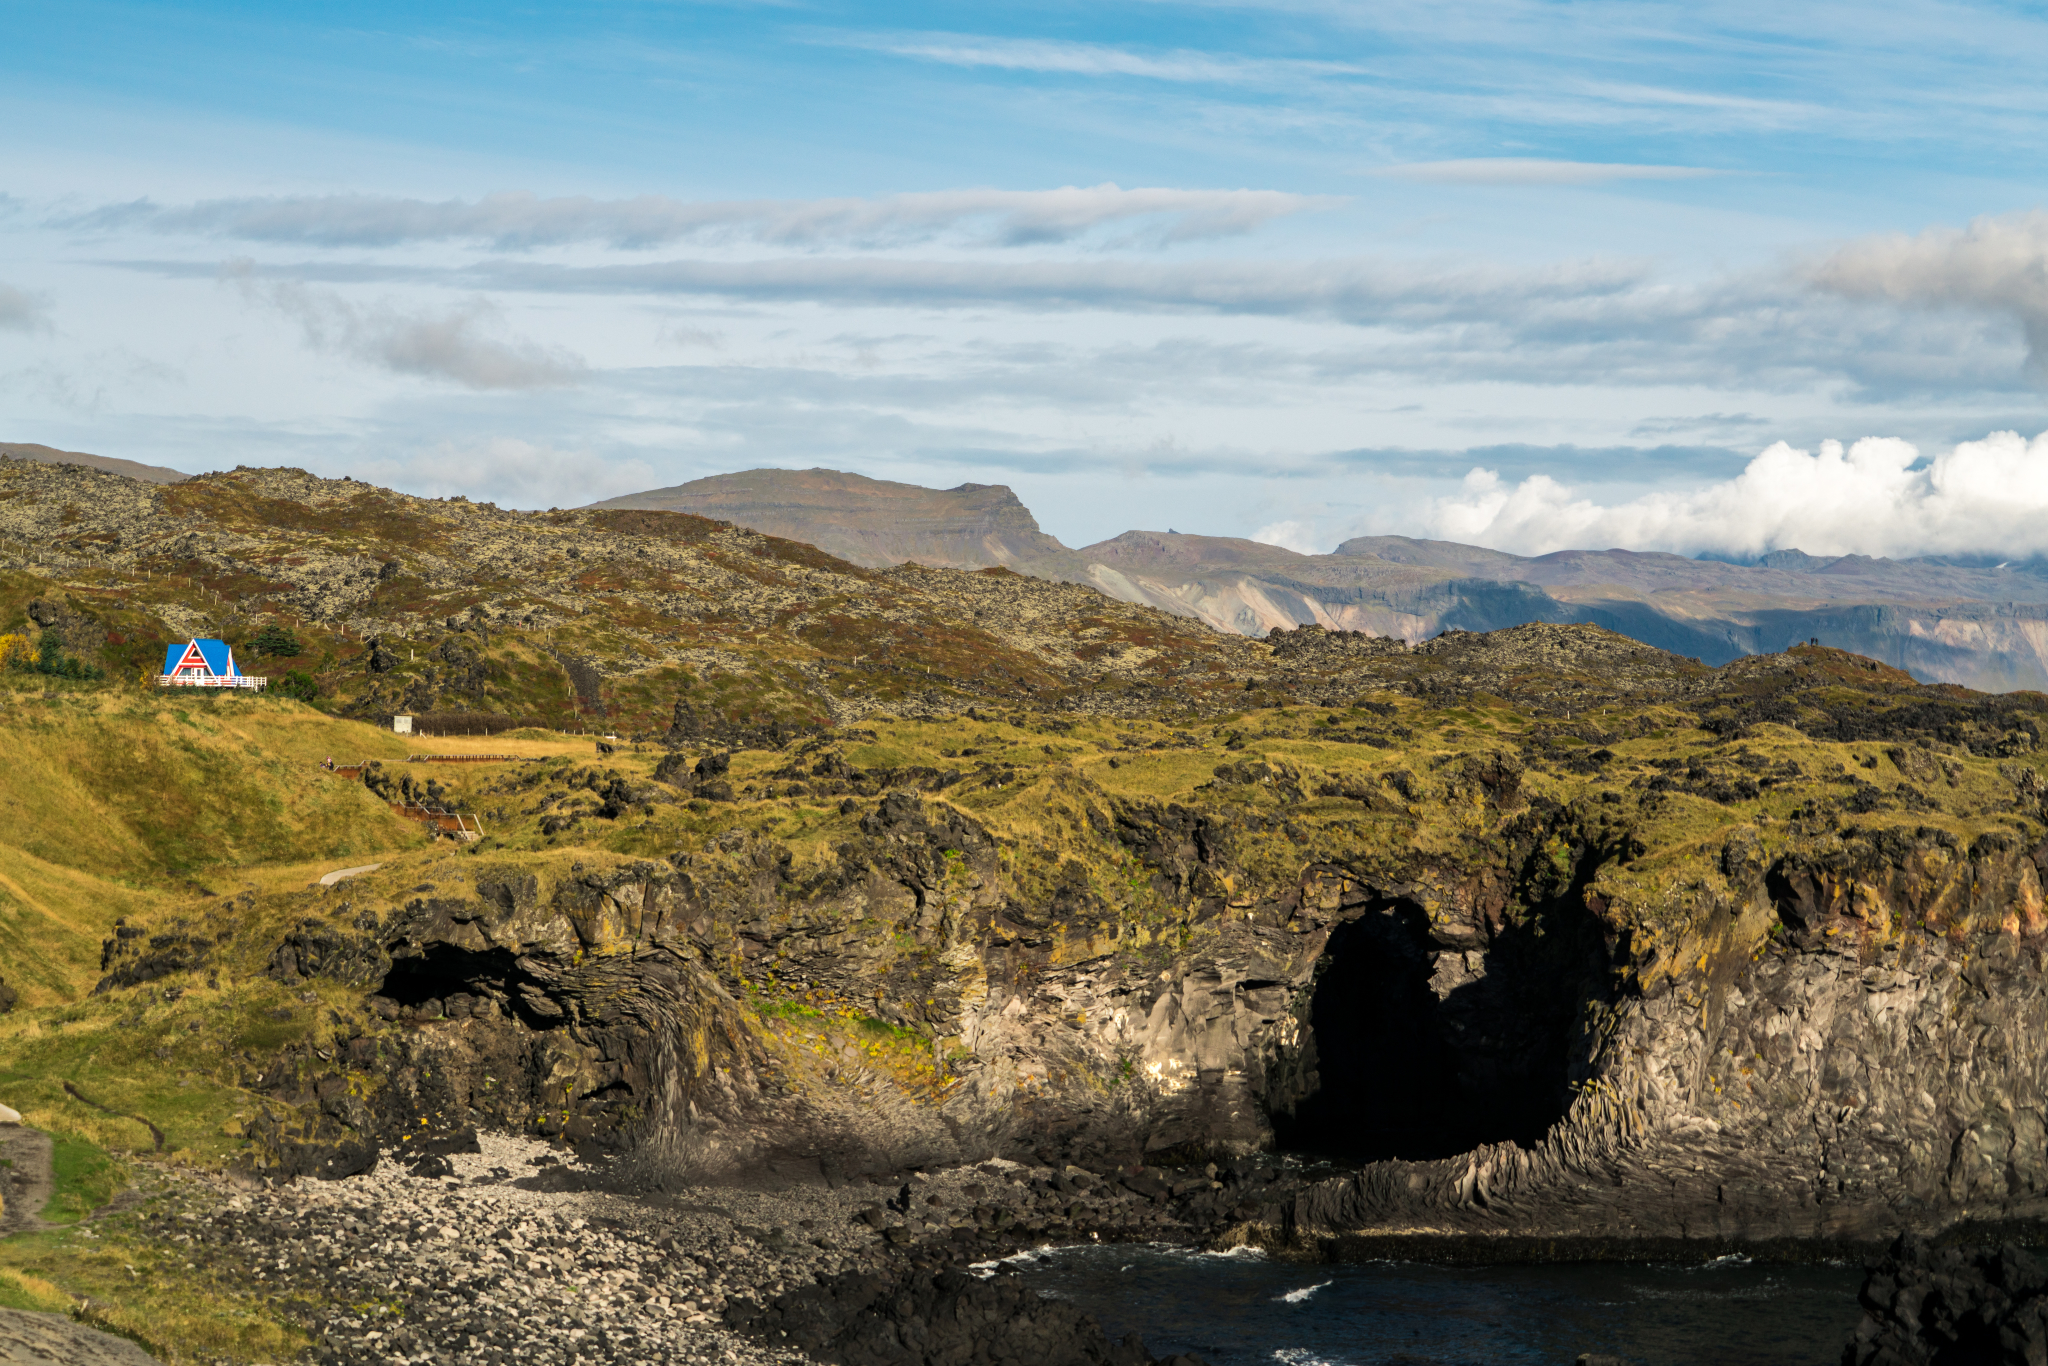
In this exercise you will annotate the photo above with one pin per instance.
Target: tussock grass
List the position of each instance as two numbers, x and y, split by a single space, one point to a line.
146 787
112 1278
52 919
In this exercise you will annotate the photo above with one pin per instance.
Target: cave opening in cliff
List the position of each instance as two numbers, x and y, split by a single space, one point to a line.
446 973
1415 1049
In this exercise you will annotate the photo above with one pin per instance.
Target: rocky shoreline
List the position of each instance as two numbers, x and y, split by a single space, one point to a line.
521 1252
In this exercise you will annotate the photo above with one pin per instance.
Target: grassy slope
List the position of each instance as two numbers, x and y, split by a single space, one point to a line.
213 811
116 805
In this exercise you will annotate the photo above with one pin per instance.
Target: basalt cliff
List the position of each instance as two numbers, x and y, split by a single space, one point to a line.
1533 935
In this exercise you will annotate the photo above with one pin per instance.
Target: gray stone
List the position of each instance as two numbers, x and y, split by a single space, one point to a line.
30 1339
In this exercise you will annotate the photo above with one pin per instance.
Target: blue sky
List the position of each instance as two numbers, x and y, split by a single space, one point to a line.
1292 270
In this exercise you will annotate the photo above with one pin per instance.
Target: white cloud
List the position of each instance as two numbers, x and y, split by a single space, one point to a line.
1766 112
510 471
518 220
1875 497
465 343
1057 57
1535 171
1297 536
1589 323
1360 291
1997 264
1598 321
21 311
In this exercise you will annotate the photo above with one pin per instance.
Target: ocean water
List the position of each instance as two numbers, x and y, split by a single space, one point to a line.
1241 1309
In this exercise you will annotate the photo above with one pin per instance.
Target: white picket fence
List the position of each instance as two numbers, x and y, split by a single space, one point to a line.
190 681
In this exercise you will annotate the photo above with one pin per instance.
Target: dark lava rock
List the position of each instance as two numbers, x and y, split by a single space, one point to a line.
316 949
133 957
953 1318
330 1161
1951 1307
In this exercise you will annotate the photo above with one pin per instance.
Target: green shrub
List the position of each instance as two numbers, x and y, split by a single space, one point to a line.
51 660
297 684
276 641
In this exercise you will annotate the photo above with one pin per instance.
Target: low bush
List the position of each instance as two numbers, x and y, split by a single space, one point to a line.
47 659
296 684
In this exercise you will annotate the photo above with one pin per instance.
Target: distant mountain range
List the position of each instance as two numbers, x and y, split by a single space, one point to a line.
1941 619
50 455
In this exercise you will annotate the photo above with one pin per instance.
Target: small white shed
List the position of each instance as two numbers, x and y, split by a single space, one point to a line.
402 724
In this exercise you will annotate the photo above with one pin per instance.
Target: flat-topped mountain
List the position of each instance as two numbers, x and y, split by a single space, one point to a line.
870 522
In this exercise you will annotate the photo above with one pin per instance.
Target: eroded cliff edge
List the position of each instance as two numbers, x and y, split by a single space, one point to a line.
1634 973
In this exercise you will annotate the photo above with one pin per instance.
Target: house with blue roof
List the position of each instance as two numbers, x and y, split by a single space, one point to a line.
204 664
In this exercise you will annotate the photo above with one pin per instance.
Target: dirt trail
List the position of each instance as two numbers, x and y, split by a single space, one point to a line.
28 1338
25 1180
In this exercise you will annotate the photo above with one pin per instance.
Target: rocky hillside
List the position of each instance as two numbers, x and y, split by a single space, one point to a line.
593 619
1560 934
1982 625
1535 934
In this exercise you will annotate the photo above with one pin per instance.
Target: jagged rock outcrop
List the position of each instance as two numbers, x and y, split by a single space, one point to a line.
1851 1040
1878 1065
1927 1306
954 1318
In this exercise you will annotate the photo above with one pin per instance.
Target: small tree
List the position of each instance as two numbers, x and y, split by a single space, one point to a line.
298 685
276 641
52 661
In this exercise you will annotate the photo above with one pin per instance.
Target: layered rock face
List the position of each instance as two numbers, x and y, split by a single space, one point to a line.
1875 1066
1849 1041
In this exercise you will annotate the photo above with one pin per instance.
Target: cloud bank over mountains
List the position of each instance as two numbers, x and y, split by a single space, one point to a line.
1876 497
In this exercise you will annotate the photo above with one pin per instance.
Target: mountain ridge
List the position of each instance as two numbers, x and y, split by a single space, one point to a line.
1941 618
1982 626
50 455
